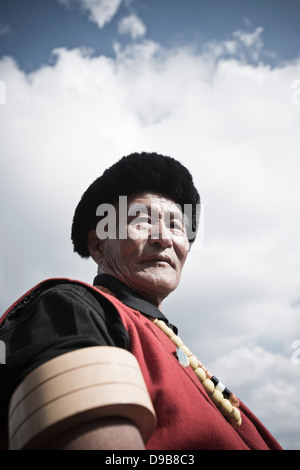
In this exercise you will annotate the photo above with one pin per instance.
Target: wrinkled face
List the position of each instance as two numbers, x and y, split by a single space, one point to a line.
151 257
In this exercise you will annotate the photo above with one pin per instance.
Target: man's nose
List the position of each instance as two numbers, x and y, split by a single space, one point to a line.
161 234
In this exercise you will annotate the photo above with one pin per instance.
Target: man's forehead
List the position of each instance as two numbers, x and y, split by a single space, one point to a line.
154 201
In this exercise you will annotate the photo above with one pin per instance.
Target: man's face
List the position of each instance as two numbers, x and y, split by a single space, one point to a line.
150 259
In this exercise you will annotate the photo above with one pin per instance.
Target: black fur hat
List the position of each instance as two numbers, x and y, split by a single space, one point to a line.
134 173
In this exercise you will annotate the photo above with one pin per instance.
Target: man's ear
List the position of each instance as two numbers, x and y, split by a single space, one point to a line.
95 246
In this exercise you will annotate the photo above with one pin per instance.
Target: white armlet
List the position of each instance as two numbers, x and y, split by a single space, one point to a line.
75 388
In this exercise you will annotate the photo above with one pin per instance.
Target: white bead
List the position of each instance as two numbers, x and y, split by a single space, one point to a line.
220 387
176 340
226 407
208 386
200 374
217 398
193 362
168 331
235 416
186 350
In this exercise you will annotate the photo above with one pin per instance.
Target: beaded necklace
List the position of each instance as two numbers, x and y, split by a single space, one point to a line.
221 396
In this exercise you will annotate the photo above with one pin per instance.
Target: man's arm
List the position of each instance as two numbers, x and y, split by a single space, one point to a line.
91 398
101 434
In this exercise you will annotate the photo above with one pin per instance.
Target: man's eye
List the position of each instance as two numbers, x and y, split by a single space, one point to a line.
143 219
176 226
141 222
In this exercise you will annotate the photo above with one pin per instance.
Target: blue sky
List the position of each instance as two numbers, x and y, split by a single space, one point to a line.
214 84
31 29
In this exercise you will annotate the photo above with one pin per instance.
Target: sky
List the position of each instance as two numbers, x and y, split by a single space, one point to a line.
215 85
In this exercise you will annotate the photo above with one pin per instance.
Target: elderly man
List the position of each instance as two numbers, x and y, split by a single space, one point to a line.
101 367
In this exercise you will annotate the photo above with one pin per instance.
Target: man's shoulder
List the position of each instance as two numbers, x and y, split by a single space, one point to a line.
57 286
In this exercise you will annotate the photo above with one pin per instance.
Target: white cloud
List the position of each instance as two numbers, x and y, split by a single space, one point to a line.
100 11
132 25
243 45
250 39
2 92
235 126
269 384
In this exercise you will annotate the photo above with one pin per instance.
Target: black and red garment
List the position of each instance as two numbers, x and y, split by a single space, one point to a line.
62 315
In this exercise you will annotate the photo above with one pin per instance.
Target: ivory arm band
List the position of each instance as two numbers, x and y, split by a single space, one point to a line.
78 387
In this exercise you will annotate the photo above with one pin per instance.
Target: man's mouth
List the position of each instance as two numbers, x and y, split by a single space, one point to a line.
159 259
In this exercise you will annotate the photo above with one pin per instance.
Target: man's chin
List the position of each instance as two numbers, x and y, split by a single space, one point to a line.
160 281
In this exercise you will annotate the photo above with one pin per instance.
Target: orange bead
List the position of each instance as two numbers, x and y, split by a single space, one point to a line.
234 400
